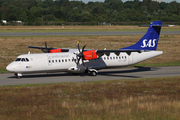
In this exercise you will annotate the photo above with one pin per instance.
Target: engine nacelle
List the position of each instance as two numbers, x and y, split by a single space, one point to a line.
90 54
55 51
58 50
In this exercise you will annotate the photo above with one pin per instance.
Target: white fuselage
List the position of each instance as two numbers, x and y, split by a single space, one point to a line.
58 62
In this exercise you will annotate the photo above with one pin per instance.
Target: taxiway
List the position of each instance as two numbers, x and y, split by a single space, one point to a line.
83 33
105 74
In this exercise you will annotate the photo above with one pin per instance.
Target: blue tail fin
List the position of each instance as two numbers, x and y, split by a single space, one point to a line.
150 40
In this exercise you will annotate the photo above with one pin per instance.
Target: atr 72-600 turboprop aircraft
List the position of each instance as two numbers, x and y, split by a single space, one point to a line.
80 61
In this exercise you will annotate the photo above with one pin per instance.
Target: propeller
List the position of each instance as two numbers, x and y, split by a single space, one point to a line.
80 55
46 48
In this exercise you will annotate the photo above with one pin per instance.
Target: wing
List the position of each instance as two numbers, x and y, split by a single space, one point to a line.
49 49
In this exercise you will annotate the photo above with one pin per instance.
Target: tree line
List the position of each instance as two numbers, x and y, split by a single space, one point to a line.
110 11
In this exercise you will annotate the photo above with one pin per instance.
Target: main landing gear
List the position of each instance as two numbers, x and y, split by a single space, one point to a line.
92 72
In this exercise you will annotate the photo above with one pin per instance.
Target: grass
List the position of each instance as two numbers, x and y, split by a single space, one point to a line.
151 99
3 70
16 29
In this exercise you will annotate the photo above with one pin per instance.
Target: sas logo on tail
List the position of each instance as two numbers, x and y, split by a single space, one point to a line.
150 43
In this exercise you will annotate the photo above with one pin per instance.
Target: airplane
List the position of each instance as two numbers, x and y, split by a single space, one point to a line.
80 61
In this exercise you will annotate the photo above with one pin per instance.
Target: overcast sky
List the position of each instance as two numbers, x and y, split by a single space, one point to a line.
86 1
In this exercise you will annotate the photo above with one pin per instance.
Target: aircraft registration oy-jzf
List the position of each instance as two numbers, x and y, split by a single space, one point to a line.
81 61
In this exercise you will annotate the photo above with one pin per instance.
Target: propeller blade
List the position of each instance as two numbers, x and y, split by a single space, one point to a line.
83 62
78 46
46 44
46 47
78 60
83 48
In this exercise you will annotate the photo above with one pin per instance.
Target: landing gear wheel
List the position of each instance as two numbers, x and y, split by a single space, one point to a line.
93 73
18 75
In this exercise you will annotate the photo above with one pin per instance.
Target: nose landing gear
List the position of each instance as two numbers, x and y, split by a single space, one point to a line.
18 75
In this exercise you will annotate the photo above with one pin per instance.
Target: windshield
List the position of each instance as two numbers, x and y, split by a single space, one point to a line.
22 59
18 59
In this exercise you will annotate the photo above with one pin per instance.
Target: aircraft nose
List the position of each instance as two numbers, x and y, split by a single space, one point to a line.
10 68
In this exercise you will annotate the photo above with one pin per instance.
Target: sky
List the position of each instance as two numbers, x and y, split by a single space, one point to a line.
86 1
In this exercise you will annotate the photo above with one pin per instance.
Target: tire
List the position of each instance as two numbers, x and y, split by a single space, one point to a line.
93 73
18 77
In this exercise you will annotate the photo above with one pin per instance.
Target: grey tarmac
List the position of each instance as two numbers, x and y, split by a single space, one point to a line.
83 33
105 74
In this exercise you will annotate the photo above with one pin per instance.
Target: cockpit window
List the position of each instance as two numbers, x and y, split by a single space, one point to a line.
27 59
22 59
18 59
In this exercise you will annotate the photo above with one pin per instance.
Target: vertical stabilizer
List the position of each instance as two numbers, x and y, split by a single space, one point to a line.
150 40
